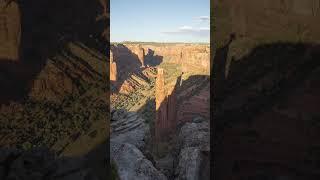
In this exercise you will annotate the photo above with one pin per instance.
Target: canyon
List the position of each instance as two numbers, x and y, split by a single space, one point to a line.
155 96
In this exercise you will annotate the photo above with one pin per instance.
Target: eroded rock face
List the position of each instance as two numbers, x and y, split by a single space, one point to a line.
194 146
51 83
10 29
189 164
195 57
129 133
64 75
132 164
129 127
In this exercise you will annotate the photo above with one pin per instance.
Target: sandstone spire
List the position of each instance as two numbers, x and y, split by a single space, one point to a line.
113 68
141 55
10 28
165 107
161 105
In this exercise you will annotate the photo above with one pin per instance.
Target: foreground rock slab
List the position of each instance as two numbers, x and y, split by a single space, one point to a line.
132 164
194 144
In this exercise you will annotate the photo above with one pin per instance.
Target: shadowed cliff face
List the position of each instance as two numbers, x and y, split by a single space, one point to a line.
131 63
265 122
265 90
37 30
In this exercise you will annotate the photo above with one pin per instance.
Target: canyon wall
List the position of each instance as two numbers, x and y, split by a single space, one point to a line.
9 31
41 47
193 56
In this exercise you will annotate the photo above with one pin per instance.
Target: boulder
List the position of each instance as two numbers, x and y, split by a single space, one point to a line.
195 135
194 145
129 127
189 164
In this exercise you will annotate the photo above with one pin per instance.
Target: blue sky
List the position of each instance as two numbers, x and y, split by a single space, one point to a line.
160 20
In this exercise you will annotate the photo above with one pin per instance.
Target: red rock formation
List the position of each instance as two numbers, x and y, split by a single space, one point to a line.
196 105
165 107
141 55
9 30
161 105
113 68
194 57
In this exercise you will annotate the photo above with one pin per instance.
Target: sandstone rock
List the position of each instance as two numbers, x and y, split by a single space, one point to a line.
192 57
141 56
161 105
113 68
194 142
129 128
189 164
132 164
51 83
10 30
195 135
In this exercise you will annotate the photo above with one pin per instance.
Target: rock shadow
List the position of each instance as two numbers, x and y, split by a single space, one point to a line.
128 64
46 164
266 105
152 60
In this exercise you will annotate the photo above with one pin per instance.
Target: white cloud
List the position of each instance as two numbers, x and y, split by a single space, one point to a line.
203 18
189 30
202 29
185 28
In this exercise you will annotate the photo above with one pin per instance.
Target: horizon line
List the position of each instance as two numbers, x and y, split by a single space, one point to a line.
160 42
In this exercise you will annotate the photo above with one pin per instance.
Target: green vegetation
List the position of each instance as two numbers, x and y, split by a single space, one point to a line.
43 123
